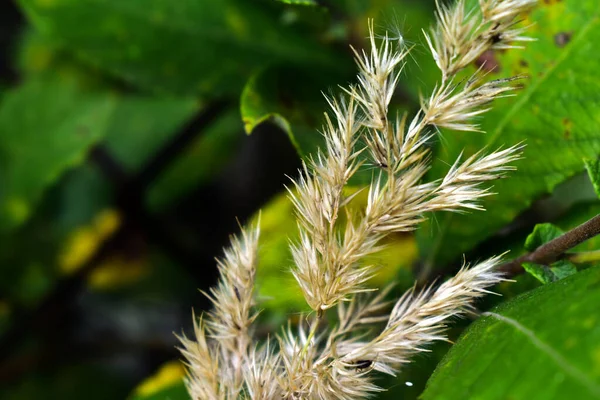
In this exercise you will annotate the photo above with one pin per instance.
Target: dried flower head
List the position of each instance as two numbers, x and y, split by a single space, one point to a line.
336 360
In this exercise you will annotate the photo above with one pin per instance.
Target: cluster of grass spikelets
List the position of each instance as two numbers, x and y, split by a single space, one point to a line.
337 360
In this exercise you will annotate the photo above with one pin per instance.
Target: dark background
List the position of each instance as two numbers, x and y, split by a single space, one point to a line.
121 341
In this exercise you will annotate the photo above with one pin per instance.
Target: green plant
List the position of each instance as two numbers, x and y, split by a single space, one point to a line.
123 164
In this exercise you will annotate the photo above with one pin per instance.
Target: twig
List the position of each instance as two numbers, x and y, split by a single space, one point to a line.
555 249
173 148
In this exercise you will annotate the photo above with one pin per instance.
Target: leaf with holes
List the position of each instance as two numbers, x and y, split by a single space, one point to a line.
542 345
556 116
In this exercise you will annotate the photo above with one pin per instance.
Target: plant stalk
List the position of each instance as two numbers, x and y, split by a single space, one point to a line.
555 249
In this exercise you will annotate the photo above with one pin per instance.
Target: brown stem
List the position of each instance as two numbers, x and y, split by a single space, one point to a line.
555 249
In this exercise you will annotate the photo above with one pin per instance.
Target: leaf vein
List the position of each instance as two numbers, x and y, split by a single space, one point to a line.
560 361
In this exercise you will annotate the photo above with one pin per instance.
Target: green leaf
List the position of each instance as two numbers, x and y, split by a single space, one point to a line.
292 99
542 234
273 271
544 344
593 169
556 115
197 47
563 268
45 129
140 125
50 122
557 271
540 272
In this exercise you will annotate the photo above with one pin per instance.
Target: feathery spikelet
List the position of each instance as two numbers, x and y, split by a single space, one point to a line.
203 373
419 319
262 374
319 360
228 325
461 36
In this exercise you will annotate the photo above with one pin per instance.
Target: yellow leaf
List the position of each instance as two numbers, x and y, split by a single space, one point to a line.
167 375
117 271
83 242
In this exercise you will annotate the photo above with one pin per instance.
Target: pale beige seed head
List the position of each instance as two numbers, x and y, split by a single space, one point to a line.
336 360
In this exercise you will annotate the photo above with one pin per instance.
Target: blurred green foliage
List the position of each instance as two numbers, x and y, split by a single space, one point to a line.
105 86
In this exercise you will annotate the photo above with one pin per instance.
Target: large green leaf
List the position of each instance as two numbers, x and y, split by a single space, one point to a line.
556 115
544 345
189 46
140 125
45 128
